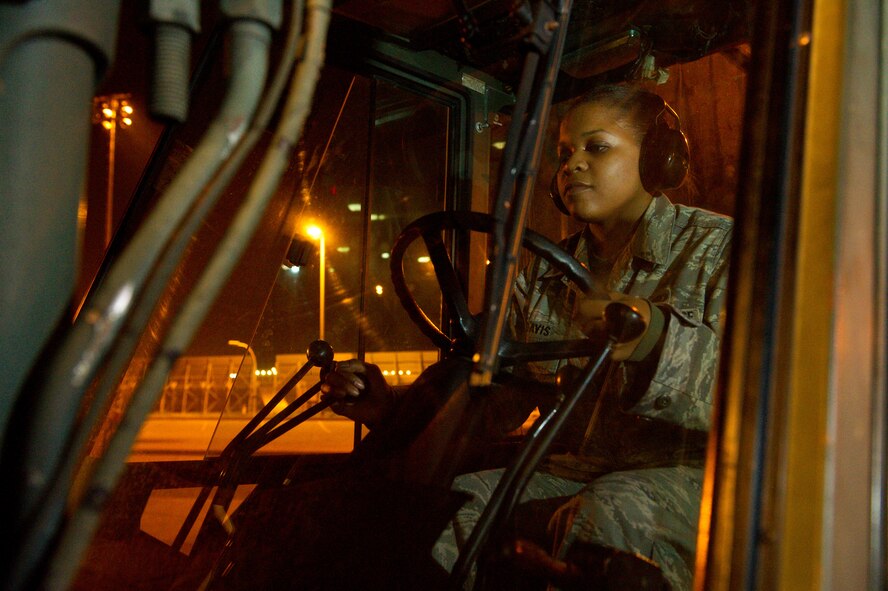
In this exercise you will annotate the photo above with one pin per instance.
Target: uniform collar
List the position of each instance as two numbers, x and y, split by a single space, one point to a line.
653 238
651 241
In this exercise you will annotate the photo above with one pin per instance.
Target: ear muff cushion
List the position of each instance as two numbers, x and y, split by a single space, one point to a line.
664 159
555 196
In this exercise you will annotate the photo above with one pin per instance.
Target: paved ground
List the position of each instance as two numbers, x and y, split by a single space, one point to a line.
191 438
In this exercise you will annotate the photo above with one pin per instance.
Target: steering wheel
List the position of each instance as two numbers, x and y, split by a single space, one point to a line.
465 326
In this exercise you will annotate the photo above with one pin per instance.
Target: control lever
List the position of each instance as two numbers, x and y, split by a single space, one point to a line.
251 438
623 323
565 377
320 354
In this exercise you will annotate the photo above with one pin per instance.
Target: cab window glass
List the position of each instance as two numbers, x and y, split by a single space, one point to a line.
373 142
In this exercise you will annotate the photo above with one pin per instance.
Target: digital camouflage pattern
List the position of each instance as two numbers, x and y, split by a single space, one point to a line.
650 512
678 260
635 450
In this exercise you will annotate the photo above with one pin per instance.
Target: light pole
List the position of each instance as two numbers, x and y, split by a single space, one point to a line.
253 377
318 234
112 111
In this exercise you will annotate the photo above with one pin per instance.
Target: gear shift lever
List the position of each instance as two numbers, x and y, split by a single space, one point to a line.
624 322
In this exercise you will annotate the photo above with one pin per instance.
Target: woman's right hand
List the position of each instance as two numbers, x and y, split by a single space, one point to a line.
358 391
590 315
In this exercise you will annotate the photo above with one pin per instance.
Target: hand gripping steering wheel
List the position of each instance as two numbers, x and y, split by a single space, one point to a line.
465 326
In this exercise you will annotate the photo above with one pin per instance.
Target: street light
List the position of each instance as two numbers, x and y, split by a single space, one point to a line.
112 111
253 374
318 234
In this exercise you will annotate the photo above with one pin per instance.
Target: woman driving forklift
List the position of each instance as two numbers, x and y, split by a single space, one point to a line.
630 475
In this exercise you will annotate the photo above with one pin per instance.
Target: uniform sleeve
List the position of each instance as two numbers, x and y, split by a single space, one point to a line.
680 390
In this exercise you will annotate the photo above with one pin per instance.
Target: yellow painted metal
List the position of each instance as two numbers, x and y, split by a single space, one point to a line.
789 530
800 514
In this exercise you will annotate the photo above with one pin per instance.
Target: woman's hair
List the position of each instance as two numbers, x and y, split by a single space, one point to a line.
639 108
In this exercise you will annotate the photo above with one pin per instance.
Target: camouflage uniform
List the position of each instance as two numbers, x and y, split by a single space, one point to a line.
635 470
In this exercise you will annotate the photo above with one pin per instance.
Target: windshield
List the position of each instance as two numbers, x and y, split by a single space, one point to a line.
334 220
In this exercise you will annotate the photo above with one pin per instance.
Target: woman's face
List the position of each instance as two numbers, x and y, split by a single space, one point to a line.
598 178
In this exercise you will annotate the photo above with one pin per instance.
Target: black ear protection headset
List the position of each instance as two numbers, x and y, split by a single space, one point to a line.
663 160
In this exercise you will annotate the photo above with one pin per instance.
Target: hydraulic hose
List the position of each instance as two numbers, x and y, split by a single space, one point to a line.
51 507
98 326
53 54
129 338
82 353
79 530
157 284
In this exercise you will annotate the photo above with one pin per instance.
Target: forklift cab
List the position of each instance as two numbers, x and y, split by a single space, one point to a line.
345 180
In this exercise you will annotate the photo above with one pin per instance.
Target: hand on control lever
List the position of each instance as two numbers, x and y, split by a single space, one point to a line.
635 322
358 391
